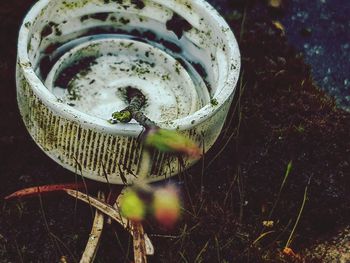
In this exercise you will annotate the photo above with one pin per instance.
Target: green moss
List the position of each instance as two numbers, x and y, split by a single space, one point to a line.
29 46
140 70
26 64
124 116
74 92
75 4
214 102
166 77
177 67
188 5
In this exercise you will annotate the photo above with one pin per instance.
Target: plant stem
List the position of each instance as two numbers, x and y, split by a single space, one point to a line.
138 242
289 241
95 235
136 101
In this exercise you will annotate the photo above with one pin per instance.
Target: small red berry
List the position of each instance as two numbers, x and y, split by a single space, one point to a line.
166 205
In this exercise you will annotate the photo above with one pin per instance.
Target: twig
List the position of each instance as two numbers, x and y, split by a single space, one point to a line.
138 242
107 209
136 101
199 256
148 244
95 236
100 205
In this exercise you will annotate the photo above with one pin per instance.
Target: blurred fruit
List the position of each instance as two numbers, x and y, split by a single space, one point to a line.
172 141
166 206
131 206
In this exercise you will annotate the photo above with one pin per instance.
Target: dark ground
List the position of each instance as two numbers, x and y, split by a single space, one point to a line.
320 29
279 116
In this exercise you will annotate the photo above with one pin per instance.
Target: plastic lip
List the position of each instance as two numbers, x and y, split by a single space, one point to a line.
224 94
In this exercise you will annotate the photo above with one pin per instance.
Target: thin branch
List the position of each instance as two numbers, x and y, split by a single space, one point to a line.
148 243
95 236
112 212
136 101
100 205
138 242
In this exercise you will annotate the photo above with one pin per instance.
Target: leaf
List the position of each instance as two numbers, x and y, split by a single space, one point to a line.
279 26
45 189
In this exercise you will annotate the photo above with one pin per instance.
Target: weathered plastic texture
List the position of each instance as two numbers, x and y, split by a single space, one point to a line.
91 146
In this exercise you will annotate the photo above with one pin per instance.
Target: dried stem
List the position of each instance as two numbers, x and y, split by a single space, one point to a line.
45 189
110 211
144 241
95 236
136 101
138 242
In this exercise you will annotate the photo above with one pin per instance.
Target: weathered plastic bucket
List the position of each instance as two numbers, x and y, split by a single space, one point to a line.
76 57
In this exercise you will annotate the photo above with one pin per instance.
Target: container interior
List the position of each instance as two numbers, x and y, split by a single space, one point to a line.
65 32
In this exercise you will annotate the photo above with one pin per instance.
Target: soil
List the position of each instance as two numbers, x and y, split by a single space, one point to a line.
279 115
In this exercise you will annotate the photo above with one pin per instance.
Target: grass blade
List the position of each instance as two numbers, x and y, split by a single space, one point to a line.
289 241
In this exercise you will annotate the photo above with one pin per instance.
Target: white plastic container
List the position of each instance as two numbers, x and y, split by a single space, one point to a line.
77 57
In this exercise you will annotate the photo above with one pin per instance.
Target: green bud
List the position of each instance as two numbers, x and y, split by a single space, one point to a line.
131 206
172 141
124 116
